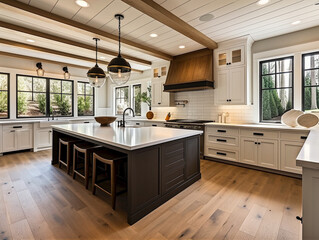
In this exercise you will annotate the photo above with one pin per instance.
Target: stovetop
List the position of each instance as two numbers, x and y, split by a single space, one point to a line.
194 121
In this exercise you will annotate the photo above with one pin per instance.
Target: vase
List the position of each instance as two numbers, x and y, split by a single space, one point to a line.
149 114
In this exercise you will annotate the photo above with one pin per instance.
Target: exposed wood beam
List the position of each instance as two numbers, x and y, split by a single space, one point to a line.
67 41
55 52
164 16
131 44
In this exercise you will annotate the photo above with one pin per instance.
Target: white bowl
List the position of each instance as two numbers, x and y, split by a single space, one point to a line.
290 118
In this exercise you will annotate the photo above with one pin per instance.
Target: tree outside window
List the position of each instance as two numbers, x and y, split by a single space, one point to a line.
137 99
310 75
85 99
276 88
4 95
121 99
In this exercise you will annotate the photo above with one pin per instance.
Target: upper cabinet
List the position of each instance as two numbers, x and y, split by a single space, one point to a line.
159 97
232 63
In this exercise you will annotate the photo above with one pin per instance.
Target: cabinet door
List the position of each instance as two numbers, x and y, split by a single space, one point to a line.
236 56
289 151
156 93
236 85
44 138
222 58
9 140
24 138
248 151
268 153
222 87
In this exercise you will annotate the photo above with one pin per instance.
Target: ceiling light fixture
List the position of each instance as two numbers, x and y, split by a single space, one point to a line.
102 57
262 2
96 75
119 69
206 17
296 22
181 46
30 40
66 73
82 3
153 35
40 71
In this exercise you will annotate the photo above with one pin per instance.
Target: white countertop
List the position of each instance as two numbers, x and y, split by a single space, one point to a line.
274 126
129 138
144 120
309 154
35 120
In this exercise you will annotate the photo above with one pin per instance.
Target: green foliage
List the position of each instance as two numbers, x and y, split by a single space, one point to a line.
3 102
145 96
272 104
63 104
41 99
84 106
289 105
22 104
266 107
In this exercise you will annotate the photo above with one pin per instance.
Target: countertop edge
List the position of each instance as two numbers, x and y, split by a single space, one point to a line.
308 156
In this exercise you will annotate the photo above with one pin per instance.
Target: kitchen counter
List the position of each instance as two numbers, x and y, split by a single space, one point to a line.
130 137
308 157
161 162
21 121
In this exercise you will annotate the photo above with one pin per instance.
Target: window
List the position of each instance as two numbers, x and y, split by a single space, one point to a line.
85 99
4 95
137 99
310 81
276 88
121 99
44 97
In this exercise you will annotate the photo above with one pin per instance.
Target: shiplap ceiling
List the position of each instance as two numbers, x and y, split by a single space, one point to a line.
232 18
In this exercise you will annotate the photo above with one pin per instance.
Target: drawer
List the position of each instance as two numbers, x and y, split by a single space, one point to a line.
221 154
17 126
222 131
259 133
224 140
294 136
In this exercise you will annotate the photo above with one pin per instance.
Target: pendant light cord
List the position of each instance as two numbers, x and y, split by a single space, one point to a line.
119 36
96 51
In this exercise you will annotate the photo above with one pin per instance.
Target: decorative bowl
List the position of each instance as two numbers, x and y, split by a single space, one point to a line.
308 120
105 120
290 118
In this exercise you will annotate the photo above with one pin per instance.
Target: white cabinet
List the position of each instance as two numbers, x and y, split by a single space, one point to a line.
43 138
289 151
231 57
154 124
17 137
160 98
231 86
248 151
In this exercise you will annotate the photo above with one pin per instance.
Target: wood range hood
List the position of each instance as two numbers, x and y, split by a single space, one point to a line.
190 71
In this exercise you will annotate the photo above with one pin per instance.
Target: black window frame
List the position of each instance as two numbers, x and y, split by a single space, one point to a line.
134 97
48 92
303 78
128 97
8 95
77 95
275 73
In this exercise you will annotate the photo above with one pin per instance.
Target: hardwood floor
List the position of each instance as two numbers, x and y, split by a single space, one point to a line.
39 201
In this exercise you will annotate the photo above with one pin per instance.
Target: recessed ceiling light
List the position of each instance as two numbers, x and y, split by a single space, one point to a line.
206 17
102 57
296 22
153 35
30 40
262 2
181 46
82 3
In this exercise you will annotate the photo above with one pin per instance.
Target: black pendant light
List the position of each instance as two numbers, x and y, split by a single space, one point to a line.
96 75
119 69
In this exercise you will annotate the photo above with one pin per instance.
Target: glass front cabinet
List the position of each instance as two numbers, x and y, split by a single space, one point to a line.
231 57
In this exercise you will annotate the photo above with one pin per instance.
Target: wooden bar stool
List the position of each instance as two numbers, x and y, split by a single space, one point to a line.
87 150
66 158
110 158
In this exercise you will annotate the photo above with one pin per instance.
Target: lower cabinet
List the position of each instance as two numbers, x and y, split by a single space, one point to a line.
289 151
43 138
17 137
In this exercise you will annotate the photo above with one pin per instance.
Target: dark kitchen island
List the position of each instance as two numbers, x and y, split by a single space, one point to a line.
161 161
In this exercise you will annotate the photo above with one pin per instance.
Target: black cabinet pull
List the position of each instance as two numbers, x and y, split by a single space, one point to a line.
12 131
220 153
255 142
154 125
86 122
137 123
50 131
159 103
258 143
223 131
299 218
303 137
221 140
258 134
17 127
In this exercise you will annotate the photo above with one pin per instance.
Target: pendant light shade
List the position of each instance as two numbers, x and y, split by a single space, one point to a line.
96 75
119 69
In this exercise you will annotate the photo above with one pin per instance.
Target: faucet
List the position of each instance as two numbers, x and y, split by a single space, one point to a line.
122 122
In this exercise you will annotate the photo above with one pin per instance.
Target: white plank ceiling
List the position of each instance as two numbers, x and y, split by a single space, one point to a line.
232 18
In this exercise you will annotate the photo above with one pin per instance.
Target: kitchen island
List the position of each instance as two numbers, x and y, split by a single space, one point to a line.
161 161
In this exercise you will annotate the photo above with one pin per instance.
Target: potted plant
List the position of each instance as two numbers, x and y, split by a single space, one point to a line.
147 98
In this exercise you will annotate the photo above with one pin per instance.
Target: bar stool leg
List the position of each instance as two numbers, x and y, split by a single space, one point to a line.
75 156
86 169
94 175
60 150
113 186
68 158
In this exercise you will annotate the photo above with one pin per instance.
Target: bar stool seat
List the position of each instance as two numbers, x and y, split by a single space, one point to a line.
66 159
109 158
87 149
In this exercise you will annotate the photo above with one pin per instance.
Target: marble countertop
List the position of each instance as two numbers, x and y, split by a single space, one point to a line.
130 137
309 154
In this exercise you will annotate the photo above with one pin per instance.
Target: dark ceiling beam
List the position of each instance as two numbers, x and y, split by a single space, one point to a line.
114 38
164 16
67 41
55 52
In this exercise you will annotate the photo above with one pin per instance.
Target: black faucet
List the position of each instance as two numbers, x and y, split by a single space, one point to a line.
122 122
